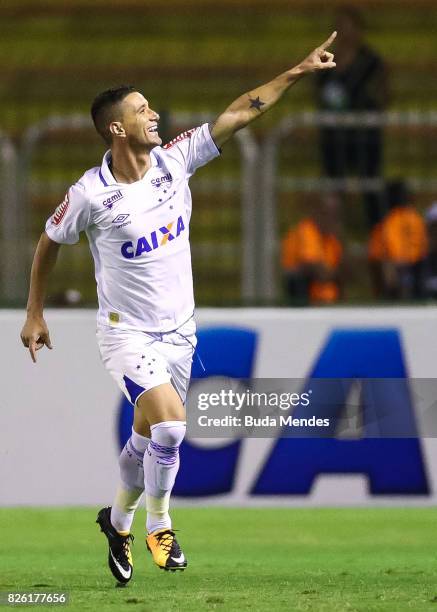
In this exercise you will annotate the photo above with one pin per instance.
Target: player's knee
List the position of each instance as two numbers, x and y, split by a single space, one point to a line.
168 433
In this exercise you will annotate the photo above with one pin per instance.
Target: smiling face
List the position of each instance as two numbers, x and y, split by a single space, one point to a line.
138 123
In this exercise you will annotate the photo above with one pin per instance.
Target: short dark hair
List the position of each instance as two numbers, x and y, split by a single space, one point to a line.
397 193
352 13
102 108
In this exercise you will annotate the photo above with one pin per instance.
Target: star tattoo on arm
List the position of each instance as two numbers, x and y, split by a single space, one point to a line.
256 103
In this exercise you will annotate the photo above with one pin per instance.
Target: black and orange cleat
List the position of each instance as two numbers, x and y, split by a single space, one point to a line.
166 552
119 555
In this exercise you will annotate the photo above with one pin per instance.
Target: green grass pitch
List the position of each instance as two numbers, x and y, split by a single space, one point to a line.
239 559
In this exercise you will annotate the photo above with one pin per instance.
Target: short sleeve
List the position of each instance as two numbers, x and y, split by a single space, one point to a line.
70 218
194 148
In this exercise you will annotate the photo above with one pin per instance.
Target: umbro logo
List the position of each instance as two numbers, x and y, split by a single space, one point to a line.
120 218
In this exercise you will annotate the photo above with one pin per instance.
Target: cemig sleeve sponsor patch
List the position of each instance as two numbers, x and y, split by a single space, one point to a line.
60 211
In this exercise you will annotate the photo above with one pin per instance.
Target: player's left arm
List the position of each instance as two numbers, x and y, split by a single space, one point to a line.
255 103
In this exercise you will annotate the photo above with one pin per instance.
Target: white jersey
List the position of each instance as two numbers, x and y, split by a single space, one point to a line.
139 234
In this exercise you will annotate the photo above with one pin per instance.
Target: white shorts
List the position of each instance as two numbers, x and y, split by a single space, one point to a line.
139 361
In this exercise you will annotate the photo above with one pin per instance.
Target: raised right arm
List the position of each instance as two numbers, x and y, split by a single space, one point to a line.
35 333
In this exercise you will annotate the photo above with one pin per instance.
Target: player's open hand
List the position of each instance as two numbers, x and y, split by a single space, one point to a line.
320 58
35 335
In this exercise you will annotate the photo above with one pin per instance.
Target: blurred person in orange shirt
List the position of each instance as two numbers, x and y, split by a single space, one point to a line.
398 246
311 254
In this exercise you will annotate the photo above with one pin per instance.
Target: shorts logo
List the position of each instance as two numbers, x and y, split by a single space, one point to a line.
59 213
160 180
120 218
157 238
109 202
182 136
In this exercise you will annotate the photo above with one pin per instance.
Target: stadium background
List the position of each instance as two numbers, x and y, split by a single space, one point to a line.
191 59
194 58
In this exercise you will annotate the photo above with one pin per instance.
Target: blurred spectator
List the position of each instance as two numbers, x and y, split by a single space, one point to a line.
311 256
430 265
358 84
68 298
398 246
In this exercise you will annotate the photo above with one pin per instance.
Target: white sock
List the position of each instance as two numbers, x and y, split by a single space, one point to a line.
131 485
123 508
161 464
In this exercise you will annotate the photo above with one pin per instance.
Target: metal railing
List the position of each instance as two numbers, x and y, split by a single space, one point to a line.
12 270
242 186
415 146
247 192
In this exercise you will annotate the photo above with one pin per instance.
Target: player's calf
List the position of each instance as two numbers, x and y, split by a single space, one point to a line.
131 485
161 464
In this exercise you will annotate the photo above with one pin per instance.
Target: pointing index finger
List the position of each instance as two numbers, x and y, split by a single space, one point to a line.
32 350
33 346
329 42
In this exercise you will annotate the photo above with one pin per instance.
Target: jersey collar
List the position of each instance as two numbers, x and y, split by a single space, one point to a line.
106 176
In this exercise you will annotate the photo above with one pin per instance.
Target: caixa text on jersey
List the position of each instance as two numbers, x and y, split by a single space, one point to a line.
157 238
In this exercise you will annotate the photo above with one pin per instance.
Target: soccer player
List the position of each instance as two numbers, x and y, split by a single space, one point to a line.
135 209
